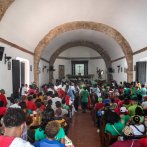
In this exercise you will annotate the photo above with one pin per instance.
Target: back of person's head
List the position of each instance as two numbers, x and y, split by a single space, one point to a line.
32 93
23 105
56 94
14 117
45 97
47 116
38 100
139 96
39 94
63 101
112 100
126 101
138 111
95 86
128 97
29 120
30 86
105 87
52 129
136 119
22 85
50 102
135 100
106 114
128 133
85 88
1 103
142 85
49 93
113 118
58 104
106 96
58 112
34 96
38 104
29 98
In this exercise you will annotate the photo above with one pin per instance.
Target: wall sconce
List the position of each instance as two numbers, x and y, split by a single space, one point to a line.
43 68
118 68
7 58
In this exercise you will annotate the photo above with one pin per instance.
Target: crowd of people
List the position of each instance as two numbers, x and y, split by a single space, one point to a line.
41 118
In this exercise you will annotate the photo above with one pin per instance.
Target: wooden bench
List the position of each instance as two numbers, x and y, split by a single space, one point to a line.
109 139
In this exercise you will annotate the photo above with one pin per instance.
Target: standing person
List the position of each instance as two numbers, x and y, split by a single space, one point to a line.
2 97
85 95
96 90
126 91
14 122
143 91
139 85
135 92
76 93
30 90
22 91
69 92
27 88
34 86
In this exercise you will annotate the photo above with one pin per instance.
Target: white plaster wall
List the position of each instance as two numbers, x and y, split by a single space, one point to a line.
137 58
43 76
79 51
5 74
121 76
92 67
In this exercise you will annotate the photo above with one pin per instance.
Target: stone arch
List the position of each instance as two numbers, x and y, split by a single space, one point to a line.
89 26
91 45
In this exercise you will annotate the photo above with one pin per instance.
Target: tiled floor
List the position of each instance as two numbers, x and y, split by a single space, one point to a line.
82 131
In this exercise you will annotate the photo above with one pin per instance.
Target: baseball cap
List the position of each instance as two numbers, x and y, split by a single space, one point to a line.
100 99
123 109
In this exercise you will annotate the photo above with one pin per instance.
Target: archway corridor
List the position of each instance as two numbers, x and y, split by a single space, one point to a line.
82 131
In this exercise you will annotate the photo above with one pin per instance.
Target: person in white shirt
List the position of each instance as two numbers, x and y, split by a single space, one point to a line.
50 88
138 128
15 105
27 88
64 111
144 104
55 99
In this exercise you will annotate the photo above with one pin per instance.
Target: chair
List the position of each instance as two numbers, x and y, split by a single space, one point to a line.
109 139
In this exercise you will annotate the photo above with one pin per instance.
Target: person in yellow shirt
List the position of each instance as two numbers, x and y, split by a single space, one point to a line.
139 85
40 96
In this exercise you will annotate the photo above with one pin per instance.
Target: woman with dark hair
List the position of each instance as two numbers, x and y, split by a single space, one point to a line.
115 124
23 106
47 116
138 128
126 103
106 114
127 139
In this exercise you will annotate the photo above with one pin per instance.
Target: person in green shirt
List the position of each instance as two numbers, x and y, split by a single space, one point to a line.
123 110
105 84
126 91
47 116
133 108
116 124
64 105
84 95
135 92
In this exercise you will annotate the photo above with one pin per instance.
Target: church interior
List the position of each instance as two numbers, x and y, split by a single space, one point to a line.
56 49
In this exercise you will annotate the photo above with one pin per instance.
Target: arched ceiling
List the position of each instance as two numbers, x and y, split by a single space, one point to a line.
105 41
26 22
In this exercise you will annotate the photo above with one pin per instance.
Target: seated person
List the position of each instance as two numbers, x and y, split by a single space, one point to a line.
61 120
14 122
115 124
64 105
106 100
112 104
40 96
106 114
56 98
64 111
30 104
135 92
117 100
134 106
47 116
126 91
99 105
126 103
138 128
102 110
144 104
45 100
30 132
23 106
3 109
51 130
124 111
42 106
2 97
127 139
16 104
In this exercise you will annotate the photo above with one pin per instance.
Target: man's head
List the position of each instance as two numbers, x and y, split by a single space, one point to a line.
29 98
52 129
26 85
58 112
49 93
106 96
135 101
16 101
14 119
112 100
58 104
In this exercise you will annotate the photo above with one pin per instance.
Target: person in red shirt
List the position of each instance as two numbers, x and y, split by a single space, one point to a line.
30 90
2 97
39 101
14 122
3 109
61 93
117 100
99 105
30 104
